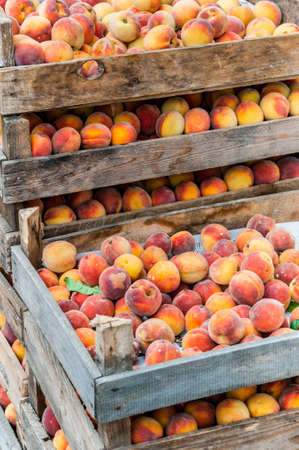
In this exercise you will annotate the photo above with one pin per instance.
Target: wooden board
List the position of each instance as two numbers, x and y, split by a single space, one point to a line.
34 434
8 440
87 169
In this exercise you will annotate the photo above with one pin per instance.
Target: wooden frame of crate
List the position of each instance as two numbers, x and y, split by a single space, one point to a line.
111 392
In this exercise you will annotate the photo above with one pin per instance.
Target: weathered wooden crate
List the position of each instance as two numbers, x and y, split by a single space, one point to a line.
23 177
112 397
8 439
150 74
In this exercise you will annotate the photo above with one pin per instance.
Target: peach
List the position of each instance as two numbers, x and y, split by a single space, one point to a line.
182 422
170 123
18 350
59 214
196 316
249 94
182 242
179 178
163 415
8 333
259 244
59 292
160 37
114 282
238 177
261 404
45 128
190 352
83 8
250 338
289 398
218 301
290 255
10 414
69 120
136 198
19 9
77 319
249 328
90 209
294 315
152 255
59 441
242 393
147 5
160 239
211 234
274 106
178 104
28 51
38 28
148 115
192 266
230 100
123 133
15 25
194 100
246 288
40 144
267 315
242 12
229 36
265 8
210 257
121 306
49 421
260 223
235 25
202 411
286 272
186 299
196 120
104 47
222 270
259 263
113 247
49 278
144 17
242 310
225 247
294 289
248 112
136 321
65 140
187 190
226 327
102 9
95 135
88 26
161 351
216 17
59 256
289 167
67 305
274 388
99 117
160 18
152 330
278 86
76 199
97 305
124 26
231 410
131 263
154 183
162 196
74 274
281 239
185 10
173 316
145 429
68 30
223 117
110 198
286 28
205 289
294 103
266 171
143 298
112 110
53 10
198 337
4 399
86 336
226 5
165 275
128 117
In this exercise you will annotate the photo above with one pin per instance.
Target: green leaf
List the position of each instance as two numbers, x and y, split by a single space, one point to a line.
292 306
78 286
295 324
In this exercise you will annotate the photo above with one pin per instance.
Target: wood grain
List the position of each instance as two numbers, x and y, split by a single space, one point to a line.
16 137
34 434
31 235
8 440
6 41
191 378
151 74
12 307
86 169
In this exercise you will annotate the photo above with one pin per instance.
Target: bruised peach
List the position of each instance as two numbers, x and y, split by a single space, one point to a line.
278 290
290 255
182 422
198 337
86 336
259 263
49 278
152 330
114 282
145 429
261 404
148 115
267 315
160 239
275 106
260 223
162 196
192 266
231 410
95 135
161 351
274 388
205 289
286 272
113 247
165 275
246 288
152 255
223 117
211 234
196 316
136 198
218 301
97 305
90 209
170 123
281 239
289 398
59 256
226 327
53 10
143 298
173 316
222 270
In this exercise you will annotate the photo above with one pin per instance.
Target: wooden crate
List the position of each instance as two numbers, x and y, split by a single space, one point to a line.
23 177
8 439
150 74
114 397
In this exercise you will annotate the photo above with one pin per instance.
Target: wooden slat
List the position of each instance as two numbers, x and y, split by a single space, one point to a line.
31 235
185 379
6 41
25 179
57 388
16 137
34 434
275 431
144 75
8 440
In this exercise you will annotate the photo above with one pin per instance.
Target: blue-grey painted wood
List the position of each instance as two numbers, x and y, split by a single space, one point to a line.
8 440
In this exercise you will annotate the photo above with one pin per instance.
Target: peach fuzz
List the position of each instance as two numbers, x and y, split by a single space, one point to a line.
242 393
249 94
278 290
36 27
216 17
88 26
59 441
162 196
86 336
294 289
260 223
218 301
170 123
161 351
197 32
226 327
182 241
59 292
196 121
290 255
223 117
113 247
294 102
192 266
225 247
261 404
151 255
143 298
148 115
99 117
235 25
90 209
59 256
136 321
231 410
289 398
222 270
152 330
212 233
59 214
68 30
165 275
97 305
95 135
289 167
266 171
229 36
278 86
248 112
259 263
160 37
275 106
186 299
66 140
281 239
196 316
259 244
128 117
246 288
202 411
274 388
178 104
40 144
27 51
123 133
198 337
114 282
185 10
49 278
163 415
286 28
53 10
286 272
160 239
136 198
131 263
181 423
266 8
145 429
74 274
187 190
267 315
19 9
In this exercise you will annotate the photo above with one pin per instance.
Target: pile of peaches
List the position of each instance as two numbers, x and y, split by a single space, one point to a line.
164 190
62 131
8 406
57 30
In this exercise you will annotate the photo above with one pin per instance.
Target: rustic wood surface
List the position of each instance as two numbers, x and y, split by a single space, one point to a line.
6 41
151 74
5 244
16 137
36 396
59 391
31 235
8 440
34 434
272 432
12 307
198 376
86 169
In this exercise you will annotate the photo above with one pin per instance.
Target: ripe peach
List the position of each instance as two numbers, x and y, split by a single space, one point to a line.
266 171
286 28
160 351
45 128
59 214
250 330
124 26
136 198
259 263
136 321
69 120
74 274
274 388
76 199
218 301
196 316
53 10
38 28
182 422
65 140
88 27
152 330
205 289
230 100
192 266
198 337
274 106
238 177
154 183
281 239
246 288
18 350
97 305
262 224
178 104
152 255
194 100
123 133
278 86
49 421
90 209
160 37
160 239
223 117
99 117
131 263
110 198
113 247
114 282
216 17
190 352
289 398
290 255
226 5
57 51
229 36
184 11
226 327
147 5
78 319
173 316
261 404
49 278
59 256
83 8
267 315
259 244
211 234
250 338
183 241
40 144
210 257
165 275
59 441
196 120
162 196
143 298
187 190
128 117
242 393
145 429
248 112
225 247
68 30
231 410
222 270
163 415
95 135
186 299
19 9
294 102
197 32
68 305
266 8
235 25
289 167
86 336
148 115
242 311
202 411
179 178
244 236
249 94
59 292
286 272
170 123
27 51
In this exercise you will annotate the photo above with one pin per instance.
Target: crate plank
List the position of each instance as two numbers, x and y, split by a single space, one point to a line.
65 173
64 340
178 381
147 75
8 440
12 307
34 434
6 41
16 137
58 390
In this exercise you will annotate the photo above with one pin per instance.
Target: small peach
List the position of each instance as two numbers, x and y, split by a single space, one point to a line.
182 422
170 123
261 404
161 351
136 198
275 106
262 224
223 270
145 429
151 330
231 410
223 117
198 337
196 121
196 316
246 288
267 315
242 393
211 234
